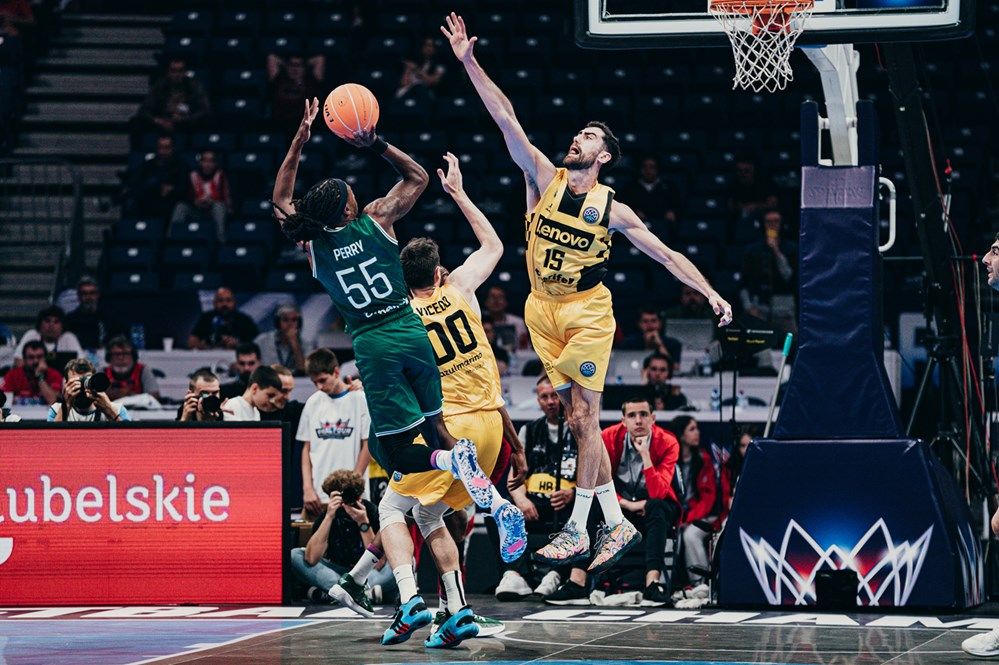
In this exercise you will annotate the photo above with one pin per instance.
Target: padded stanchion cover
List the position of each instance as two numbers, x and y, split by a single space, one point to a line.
838 387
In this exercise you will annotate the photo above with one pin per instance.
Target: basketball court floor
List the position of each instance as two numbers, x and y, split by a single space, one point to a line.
535 633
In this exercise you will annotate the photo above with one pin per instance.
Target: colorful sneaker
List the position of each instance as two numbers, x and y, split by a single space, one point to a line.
455 628
512 532
612 544
487 627
465 467
350 594
411 616
568 546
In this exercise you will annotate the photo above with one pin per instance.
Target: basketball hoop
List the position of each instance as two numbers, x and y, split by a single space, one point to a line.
763 33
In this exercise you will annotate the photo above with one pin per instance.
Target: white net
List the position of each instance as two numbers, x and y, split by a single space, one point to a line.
763 37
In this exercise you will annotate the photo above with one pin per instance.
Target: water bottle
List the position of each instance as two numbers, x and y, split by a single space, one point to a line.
715 399
139 336
742 401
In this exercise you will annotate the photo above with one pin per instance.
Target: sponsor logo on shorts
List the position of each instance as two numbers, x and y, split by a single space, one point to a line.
588 368
397 477
591 215
560 234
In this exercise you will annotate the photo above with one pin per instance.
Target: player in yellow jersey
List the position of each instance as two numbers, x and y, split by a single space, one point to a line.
568 311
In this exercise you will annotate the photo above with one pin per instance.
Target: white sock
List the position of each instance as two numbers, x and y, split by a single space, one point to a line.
363 567
581 509
442 460
609 504
406 581
498 500
455 592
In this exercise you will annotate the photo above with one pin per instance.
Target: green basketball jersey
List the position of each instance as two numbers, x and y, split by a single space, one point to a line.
358 265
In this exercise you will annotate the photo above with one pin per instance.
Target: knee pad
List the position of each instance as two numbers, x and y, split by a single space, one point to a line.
430 518
393 508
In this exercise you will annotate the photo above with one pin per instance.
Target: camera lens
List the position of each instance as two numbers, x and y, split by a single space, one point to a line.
211 403
97 383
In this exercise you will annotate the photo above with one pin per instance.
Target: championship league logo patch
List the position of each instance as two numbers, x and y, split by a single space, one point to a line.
591 215
341 429
588 368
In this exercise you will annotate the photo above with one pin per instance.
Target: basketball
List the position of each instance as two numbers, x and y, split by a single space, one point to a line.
350 108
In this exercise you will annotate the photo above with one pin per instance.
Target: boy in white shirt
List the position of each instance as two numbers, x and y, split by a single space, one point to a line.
333 429
265 386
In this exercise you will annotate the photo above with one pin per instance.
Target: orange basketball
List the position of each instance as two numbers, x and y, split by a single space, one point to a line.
350 108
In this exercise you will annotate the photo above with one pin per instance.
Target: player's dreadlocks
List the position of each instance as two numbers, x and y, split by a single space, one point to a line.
321 208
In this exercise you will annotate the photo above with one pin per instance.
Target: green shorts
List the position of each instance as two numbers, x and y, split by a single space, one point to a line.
401 381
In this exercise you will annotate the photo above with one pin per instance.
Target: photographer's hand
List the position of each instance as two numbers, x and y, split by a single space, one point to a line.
357 512
334 505
103 402
190 410
70 391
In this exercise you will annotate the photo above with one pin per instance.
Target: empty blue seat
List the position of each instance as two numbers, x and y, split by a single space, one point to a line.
193 281
238 23
190 256
288 21
131 257
223 51
280 279
196 230
221 141
284 45
236 82
138 231
134 282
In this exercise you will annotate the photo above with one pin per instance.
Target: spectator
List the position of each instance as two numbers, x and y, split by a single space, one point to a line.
652 199
92 324
421 74
501 354
127 375
643 463
176 102
34 382
732 470
196 408
340 535
247 360
5 415
693 305
283 345
656 373
511 332
155 188
286 409
540 502
84 398
8 343
15 16
334 336
292 81
697 475
750 191
768 276
49 330
224 327
333 429
207 194
264 388
650 337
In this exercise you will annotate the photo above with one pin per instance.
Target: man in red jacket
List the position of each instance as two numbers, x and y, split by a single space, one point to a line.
643 461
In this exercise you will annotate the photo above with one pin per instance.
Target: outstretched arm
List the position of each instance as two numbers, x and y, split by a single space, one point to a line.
530 160
480 264
284 183
624 219
392 207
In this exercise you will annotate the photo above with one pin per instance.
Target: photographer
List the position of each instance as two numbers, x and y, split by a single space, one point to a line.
203 401
5 415
84 397
339 538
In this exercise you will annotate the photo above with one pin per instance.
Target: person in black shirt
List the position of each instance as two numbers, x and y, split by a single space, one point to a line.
224 327
247 360
91 324
339 537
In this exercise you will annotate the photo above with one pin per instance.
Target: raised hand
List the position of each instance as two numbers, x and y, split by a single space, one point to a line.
455 32
362 139
305 127
720 306
451 182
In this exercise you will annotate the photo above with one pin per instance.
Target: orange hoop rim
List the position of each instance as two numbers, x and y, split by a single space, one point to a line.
748 7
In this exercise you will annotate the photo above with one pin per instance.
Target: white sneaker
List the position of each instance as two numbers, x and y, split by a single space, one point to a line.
512 587
699 591
549 584
983 644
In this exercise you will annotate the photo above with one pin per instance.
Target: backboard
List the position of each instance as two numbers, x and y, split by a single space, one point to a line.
669 23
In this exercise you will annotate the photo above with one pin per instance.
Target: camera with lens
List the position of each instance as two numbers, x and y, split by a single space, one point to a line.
350 494
96 383
211 404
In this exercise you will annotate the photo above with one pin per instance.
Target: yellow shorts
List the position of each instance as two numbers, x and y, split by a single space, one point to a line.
485 429
573 335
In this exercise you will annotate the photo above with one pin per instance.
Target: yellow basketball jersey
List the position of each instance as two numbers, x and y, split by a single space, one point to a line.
568 238
469 377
